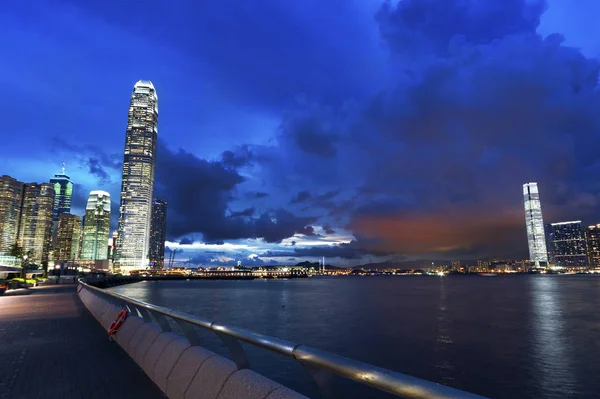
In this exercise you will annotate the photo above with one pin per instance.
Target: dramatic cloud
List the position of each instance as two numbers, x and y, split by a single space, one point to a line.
199 192
479 105
393 127
301 197
352 250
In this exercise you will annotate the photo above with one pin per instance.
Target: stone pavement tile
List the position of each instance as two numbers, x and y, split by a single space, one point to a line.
52 347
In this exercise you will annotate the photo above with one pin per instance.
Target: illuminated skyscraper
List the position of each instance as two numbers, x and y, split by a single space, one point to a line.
566 242
535 225
63 192
67 237
137 185
592 236
11 198
158 234
96 226
36 221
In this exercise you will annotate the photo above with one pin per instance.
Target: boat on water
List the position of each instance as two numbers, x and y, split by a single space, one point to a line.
488 274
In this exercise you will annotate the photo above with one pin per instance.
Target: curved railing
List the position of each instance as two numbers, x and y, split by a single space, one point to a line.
319 364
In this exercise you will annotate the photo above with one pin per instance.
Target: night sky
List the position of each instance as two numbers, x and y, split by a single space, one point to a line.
358 130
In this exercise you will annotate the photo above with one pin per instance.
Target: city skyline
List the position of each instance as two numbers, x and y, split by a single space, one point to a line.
269 158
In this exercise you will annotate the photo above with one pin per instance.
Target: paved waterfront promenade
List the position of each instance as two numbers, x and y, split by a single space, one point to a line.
52 347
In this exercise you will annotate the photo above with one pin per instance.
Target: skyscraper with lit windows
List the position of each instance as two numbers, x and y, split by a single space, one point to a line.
11 201
63 193
592 237
68 232
36 221
96 226
535 225
158 234
135 211
567 244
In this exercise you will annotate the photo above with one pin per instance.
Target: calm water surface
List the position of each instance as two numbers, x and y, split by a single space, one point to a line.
501 337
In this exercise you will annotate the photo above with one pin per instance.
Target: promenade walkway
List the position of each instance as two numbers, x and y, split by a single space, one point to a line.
52 347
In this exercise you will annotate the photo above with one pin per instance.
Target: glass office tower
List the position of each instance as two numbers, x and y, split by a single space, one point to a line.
63 193
96 226
135 211
158 234
535 225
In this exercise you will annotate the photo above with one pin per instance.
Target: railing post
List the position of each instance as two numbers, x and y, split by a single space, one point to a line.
189 332
162 321
322 378
145 315
238 355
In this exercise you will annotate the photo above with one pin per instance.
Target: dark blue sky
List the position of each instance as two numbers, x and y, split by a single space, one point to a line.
349 129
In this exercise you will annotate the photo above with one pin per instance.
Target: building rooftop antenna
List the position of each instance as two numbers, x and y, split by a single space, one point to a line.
63 168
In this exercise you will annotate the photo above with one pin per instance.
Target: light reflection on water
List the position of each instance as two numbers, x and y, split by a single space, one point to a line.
551 338
501 337
444 362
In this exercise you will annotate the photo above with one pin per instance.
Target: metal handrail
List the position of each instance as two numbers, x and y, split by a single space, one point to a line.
316 361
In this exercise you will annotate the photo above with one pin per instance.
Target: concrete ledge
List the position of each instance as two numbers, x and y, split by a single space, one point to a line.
178 369
156 350
285 393
210 378
167 364
247 384
109 316
184 371
136 339
127 330
145 343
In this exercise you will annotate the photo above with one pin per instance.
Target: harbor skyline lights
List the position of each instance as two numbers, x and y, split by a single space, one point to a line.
137 184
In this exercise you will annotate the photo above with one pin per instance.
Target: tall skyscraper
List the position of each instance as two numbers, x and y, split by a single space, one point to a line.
137 185
36 221
96 226
11 199
67 237
158 234
535 225
567 246
592 236
63 192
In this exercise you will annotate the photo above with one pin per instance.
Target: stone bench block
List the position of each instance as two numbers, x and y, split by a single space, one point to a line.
172 362
285 393
102 308
248 384
132 323
210 378
135 340
156 350
146 342
109 316
185 370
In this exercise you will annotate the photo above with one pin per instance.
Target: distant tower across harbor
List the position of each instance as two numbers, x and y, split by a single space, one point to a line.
534 222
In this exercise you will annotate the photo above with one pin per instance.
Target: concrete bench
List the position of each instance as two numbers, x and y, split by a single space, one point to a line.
180 370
